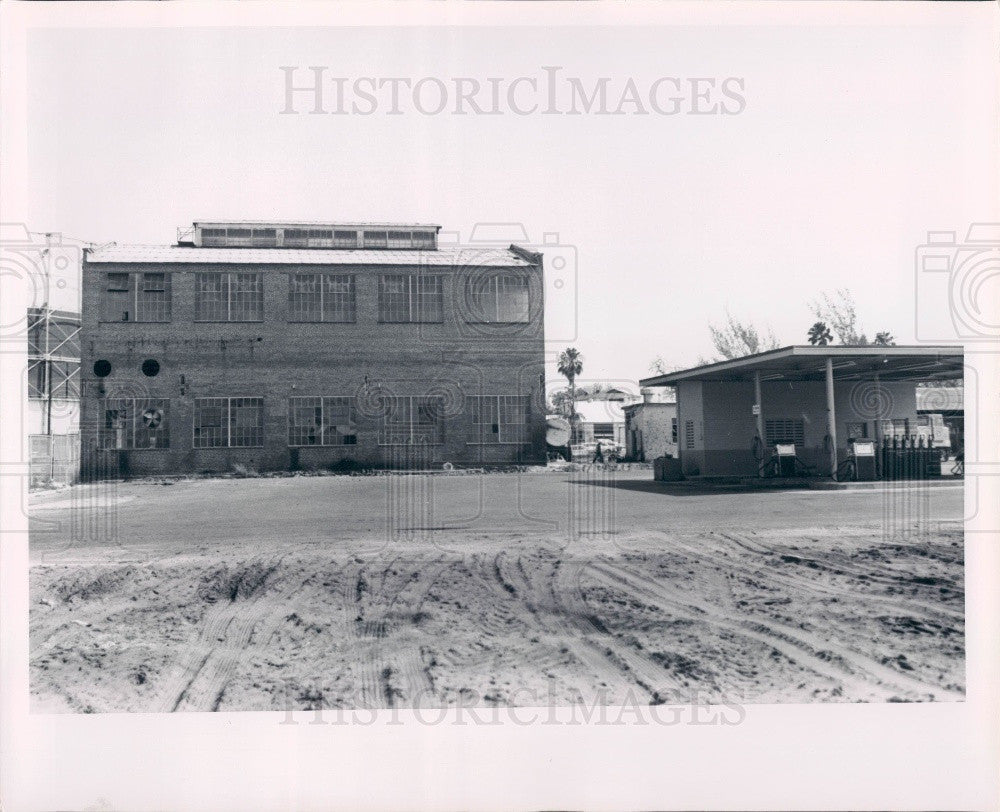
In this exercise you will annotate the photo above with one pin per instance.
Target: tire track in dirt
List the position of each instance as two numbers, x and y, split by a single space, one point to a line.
796 581
826 658
199 682
616 661
389 677
901 603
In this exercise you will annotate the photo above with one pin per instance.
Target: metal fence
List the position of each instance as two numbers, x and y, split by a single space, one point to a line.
54 459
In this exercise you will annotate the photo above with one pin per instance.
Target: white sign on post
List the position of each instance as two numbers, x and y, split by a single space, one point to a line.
756 408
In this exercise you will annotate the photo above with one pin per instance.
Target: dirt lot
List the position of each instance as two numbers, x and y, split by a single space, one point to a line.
308 592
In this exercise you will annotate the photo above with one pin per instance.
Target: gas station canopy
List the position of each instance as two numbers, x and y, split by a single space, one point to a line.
808 363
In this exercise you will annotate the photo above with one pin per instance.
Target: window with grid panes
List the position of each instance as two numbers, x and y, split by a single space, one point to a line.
321 297
499 298
228 422
153 298
412 421
321 421
499 418
410 298
221 296
376 239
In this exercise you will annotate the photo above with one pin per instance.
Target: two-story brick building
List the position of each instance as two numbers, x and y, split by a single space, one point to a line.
300 345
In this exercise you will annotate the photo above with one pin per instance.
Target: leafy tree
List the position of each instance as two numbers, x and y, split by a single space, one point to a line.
884 339
736 339
820 335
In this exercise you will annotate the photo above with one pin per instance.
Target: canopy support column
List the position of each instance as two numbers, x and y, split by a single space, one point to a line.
831 418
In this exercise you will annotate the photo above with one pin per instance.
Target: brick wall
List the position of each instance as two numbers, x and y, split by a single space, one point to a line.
277 359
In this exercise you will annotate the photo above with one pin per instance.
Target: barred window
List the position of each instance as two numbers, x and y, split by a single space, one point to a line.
228 422
229 297
321 421
412 421
321 297
689 434
498 298
410 298
784 430
135 423
499 418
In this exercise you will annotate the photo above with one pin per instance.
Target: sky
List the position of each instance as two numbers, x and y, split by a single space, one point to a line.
853 144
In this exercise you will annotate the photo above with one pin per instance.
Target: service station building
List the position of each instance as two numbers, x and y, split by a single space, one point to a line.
734 416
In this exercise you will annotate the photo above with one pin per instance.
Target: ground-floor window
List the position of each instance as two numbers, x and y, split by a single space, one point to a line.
135 423
673 430
499 418
412 421
689 434
228 422
321 421
784 430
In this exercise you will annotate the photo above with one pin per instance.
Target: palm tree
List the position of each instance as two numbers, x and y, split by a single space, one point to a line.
820 335
885 339
570 365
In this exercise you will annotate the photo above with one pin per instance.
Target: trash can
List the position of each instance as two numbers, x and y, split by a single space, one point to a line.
667 469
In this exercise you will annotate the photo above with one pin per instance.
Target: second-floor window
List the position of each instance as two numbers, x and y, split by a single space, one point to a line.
501 298
136 296
321 297
410 298
229 297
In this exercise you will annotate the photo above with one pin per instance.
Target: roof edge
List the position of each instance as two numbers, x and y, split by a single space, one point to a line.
804 351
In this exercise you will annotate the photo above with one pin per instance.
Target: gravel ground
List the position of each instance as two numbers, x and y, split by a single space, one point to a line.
265 594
